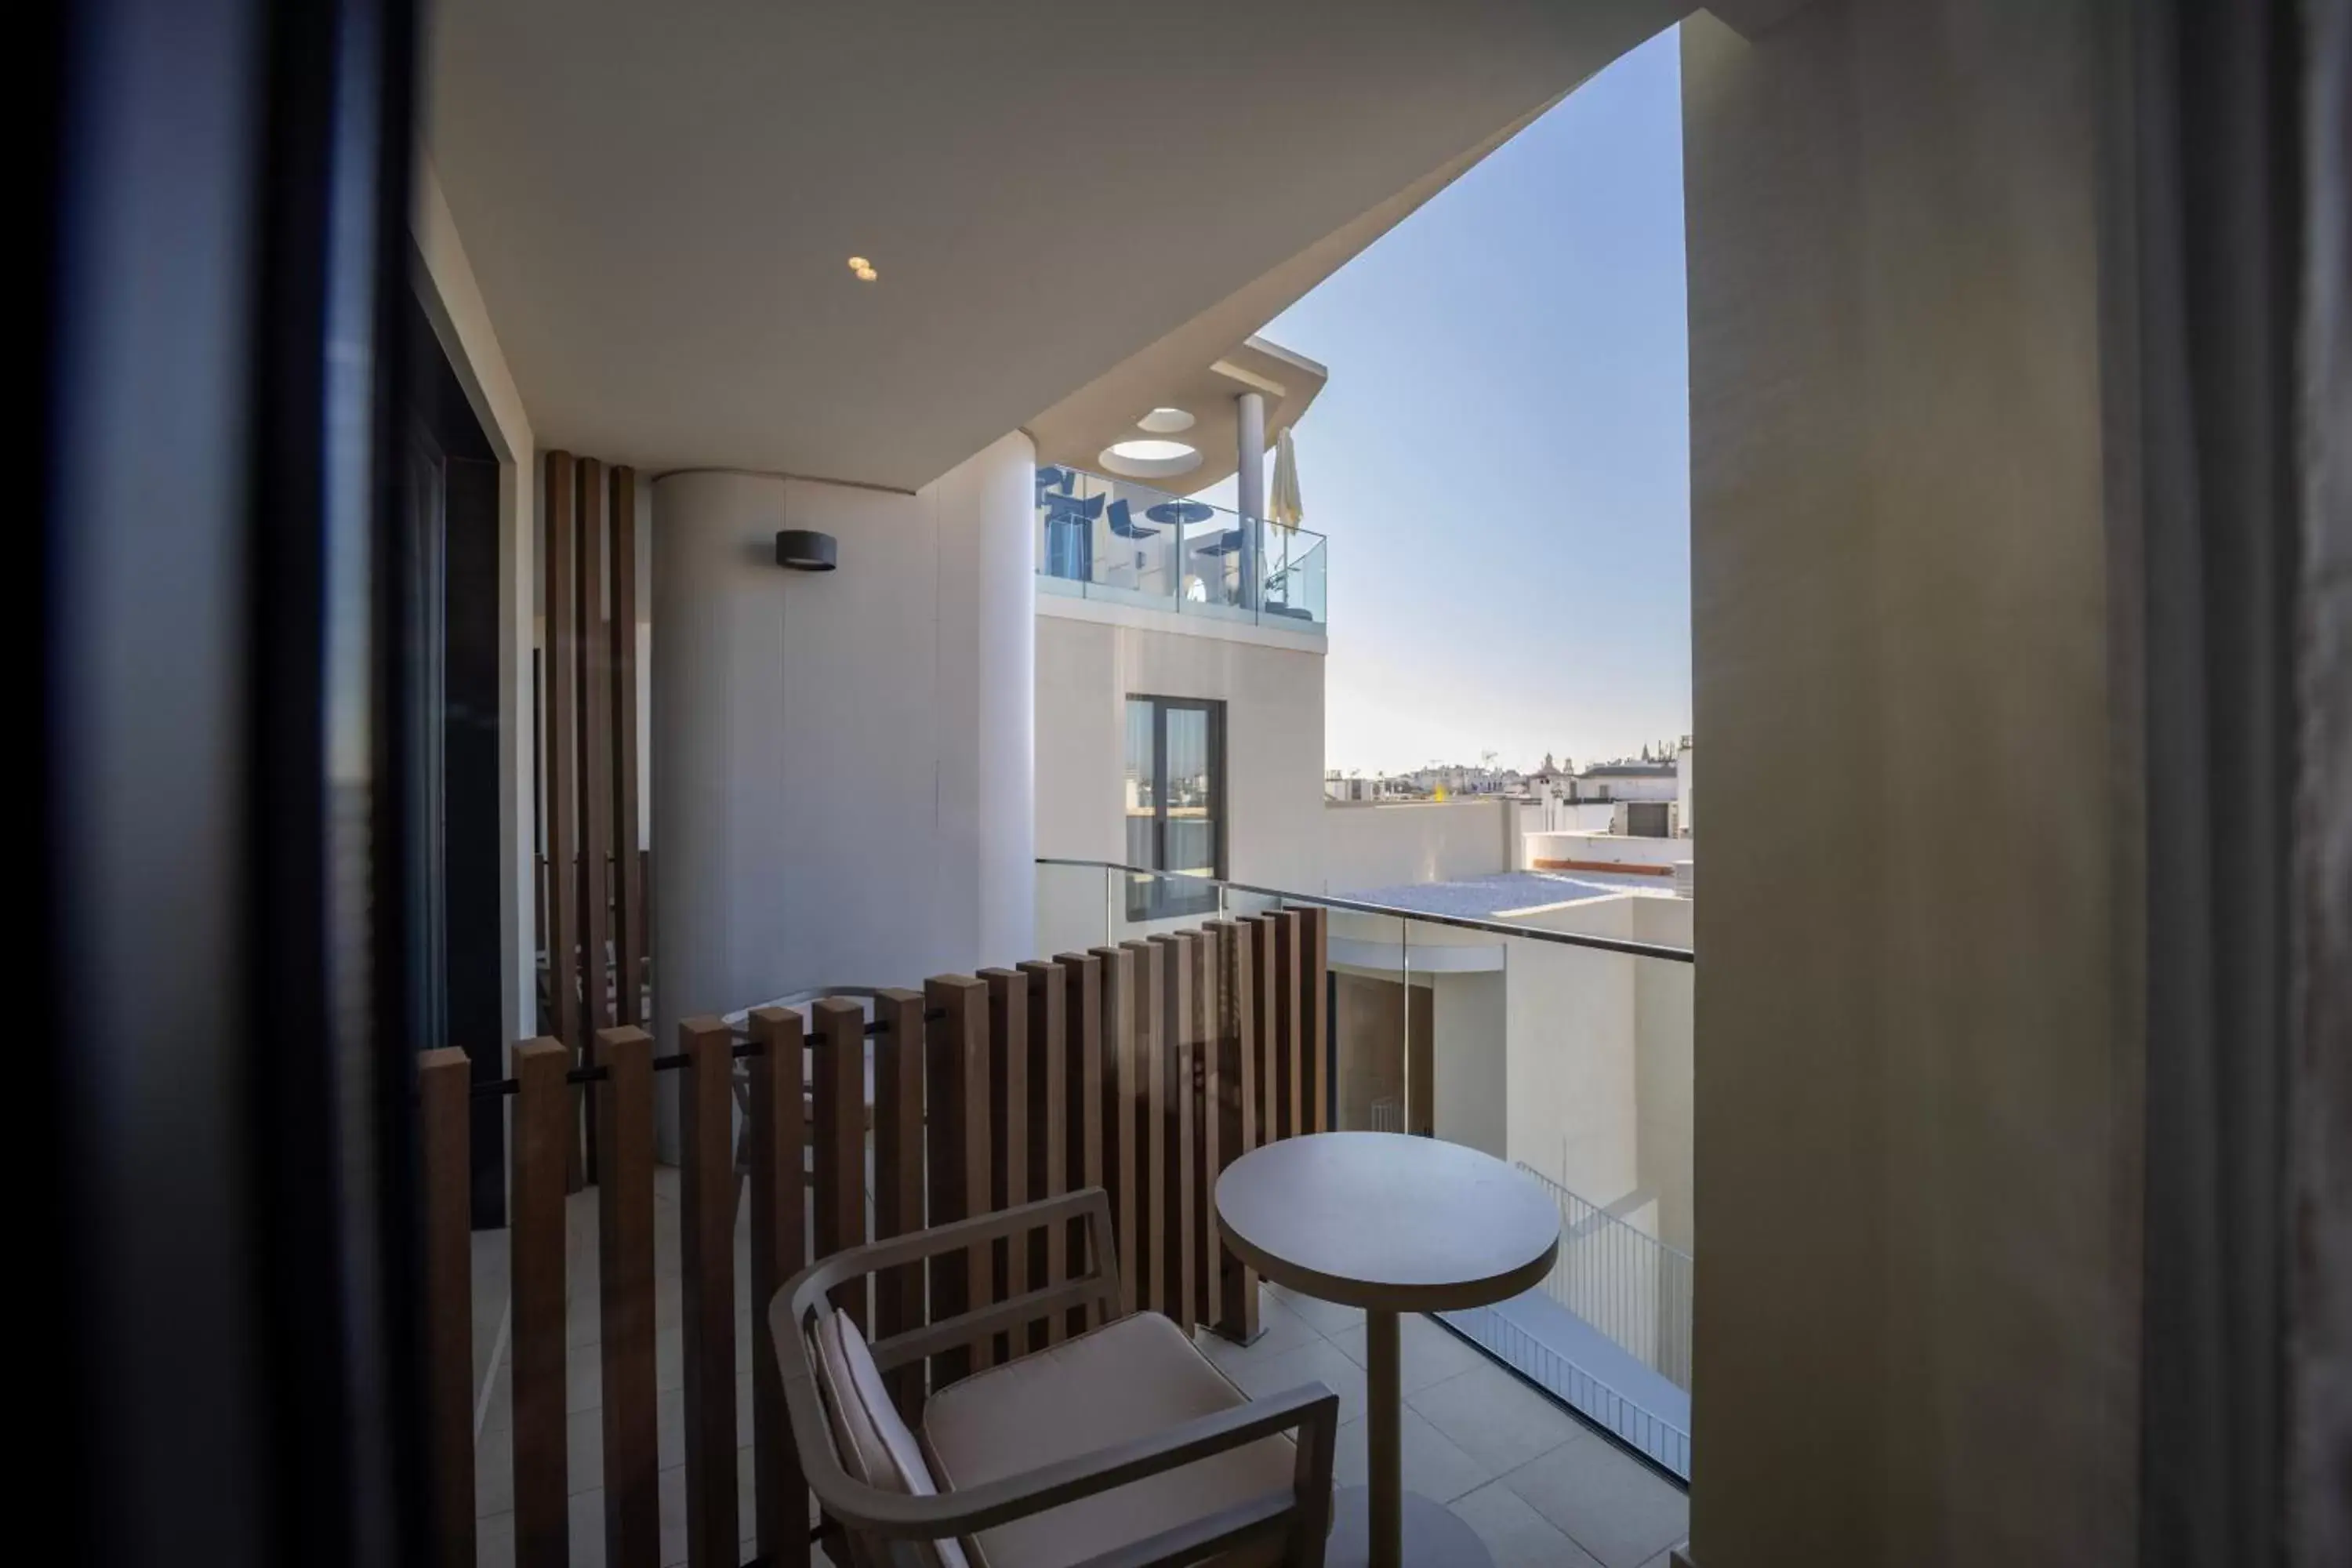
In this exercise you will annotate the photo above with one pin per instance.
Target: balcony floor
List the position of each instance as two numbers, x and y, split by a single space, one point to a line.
1538 1485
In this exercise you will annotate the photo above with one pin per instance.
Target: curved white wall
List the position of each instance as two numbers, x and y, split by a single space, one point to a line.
841 761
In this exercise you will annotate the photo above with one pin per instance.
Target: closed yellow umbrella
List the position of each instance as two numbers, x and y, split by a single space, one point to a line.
1285 508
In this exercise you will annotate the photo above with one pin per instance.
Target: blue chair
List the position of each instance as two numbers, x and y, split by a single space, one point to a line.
1122 523
1070 535
1053 478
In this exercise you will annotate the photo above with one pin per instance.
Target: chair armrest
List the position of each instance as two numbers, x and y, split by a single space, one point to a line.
1312 1409
1089 1204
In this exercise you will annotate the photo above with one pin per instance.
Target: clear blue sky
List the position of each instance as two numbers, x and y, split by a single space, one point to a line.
1501 458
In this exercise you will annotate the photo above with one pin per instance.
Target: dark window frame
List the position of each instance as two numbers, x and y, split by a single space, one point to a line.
1166 896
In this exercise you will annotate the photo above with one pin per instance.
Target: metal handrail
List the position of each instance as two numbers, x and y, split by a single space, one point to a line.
1358 905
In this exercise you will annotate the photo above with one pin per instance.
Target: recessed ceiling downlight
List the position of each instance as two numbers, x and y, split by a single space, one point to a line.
1165 421
1149 459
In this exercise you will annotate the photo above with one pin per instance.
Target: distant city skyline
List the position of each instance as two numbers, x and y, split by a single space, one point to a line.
1501 458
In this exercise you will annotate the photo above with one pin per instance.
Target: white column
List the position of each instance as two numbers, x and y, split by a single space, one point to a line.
1249 444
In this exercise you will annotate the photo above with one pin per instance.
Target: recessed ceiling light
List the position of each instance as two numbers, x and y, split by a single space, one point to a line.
1149 459
1165 421
859 264
1152 451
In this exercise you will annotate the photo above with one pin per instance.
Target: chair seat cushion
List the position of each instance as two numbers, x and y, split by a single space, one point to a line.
1125 1380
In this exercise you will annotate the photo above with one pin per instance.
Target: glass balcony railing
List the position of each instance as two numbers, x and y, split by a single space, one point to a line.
1125 542
1564 1051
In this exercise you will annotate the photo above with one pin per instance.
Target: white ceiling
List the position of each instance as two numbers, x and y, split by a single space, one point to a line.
660 200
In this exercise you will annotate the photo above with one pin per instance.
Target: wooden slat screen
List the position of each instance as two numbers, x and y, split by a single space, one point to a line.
1082 982
542 1121
1048 1148
899 1176
1122 1160
956 1141
1146 1068
559 670
444 1113
628 858
707 1262
776 1128
1314 1041
624 1124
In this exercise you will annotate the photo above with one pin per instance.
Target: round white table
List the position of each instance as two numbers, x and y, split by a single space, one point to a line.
1392 1224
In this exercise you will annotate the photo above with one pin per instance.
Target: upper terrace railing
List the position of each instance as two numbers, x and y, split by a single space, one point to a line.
1125 542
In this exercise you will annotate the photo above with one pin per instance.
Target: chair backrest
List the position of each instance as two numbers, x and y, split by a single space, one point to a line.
1122 523
1074 508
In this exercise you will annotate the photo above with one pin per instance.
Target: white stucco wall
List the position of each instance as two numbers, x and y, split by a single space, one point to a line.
1469 1021
1272 686
841 761
1368 847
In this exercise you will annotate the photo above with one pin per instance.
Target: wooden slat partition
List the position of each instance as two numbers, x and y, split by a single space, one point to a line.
629 866
1146 1067
1049 1140
595 779
1121 1077
707 1260
956 1145
1082 982
778 1249
1008 1131
1150 1100
543 1130
1315 1014
593 683
1208 1250
1235 1311
1180 1245
444 1081
1289 1079
837 1089
623 1126
899 1176
559 669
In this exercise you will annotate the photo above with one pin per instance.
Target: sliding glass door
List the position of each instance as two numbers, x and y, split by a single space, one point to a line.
1175 802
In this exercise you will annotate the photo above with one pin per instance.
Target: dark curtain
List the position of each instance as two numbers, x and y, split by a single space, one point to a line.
2213 157
2319 1226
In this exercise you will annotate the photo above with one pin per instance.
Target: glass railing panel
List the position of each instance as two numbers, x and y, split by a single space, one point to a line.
1295 585
1121 540
1153 903
1073 907
1378 1054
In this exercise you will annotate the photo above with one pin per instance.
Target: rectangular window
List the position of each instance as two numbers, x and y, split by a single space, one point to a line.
1175 802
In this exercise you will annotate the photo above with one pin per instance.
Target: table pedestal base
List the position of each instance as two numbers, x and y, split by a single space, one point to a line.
1434 1535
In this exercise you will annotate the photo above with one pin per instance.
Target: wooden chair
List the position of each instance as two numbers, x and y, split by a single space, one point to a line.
1123 1446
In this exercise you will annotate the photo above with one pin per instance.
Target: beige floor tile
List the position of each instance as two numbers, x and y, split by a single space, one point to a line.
1283 1330
1314 1363
1433 1465
1427 1354
494 1542
1323 1316
1516 1534
1607 1501
1495 1418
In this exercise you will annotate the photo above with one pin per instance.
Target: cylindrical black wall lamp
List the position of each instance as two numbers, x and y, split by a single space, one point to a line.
805 549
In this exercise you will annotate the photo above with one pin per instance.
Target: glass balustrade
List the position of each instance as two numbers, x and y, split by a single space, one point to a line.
1123 543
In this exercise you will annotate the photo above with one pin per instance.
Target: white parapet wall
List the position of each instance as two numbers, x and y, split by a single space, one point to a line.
1388 846
1582 851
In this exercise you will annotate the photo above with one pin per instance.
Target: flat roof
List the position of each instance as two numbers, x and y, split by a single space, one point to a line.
1484 898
